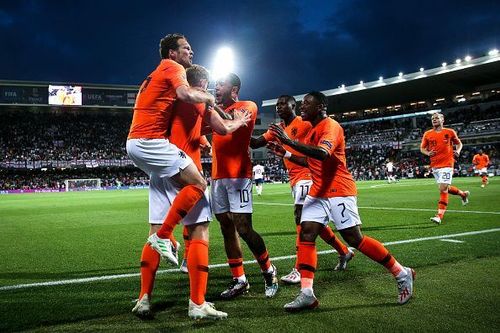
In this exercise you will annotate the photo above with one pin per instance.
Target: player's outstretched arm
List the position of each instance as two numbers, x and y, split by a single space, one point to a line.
257 142
278 150
226 126
194 95
308 150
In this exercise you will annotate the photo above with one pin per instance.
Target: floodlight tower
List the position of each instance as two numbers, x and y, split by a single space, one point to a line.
222 64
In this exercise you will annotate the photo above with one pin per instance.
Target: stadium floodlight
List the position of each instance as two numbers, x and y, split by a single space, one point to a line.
361 83
468 58
381 78
493 52
223 63
444 64
421 69
400 74
458 61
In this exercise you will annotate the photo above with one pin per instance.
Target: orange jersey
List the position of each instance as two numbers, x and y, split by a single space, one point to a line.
441 142
481 161
155 100
185 129
331 178
230 153
297 130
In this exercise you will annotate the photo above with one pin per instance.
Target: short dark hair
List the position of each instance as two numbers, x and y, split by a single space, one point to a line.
233 79
169 42
195 74
289 98
319 97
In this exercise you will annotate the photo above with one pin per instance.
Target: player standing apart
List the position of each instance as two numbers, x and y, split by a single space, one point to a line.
442 144
258 176
331 198
389 166
481 161
300 179
231 193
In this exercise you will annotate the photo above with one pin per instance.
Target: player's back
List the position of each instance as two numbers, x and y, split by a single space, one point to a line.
155 100
185 129
231 155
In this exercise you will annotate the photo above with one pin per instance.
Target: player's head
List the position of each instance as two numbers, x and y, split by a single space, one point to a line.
437 119
285 107
197 76
480 152
227 88
314 106
176 47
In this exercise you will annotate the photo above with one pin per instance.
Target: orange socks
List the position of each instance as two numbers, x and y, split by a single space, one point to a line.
329 237
308 261
198 270
442 203
455 191
150 260
187 197
263 261
187 241
236 267
374 250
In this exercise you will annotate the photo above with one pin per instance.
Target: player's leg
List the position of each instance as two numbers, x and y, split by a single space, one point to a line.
193 187
244 227
308 260
464 195
344 213
187 242
294 276
196 223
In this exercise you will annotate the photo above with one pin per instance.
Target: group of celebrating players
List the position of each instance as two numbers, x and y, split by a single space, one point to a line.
173 111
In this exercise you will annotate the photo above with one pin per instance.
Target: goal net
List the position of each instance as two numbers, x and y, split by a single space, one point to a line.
89 184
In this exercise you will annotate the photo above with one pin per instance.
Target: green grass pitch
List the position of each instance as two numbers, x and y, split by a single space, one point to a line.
95 239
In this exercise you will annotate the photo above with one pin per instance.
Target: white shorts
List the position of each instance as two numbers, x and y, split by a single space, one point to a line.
482 171
443 175
157 156
343 211
162 192
300 190
231 195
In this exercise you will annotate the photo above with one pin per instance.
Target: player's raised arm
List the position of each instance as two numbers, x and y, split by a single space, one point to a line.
311 151
226 126
192 95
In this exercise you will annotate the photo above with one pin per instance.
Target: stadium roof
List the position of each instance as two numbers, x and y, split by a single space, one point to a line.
457 78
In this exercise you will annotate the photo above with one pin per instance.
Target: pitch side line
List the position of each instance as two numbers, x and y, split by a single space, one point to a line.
172 270
391 208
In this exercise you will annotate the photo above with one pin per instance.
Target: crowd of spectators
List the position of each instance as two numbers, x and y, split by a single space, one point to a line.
84 136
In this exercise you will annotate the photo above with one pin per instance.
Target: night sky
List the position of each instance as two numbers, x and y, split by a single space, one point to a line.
280 46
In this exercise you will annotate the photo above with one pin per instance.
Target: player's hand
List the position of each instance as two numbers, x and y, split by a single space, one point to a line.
432 153
276 149
456 153
279 133
211 100
242 116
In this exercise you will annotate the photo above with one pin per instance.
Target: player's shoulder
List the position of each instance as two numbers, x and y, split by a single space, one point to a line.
248 105
429 132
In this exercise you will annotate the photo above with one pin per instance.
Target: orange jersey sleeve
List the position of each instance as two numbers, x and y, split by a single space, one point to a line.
185 129
154 102
230 153
441 142
331 178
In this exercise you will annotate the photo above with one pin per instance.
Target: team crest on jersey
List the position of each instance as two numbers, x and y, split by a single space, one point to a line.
294 131
326 143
